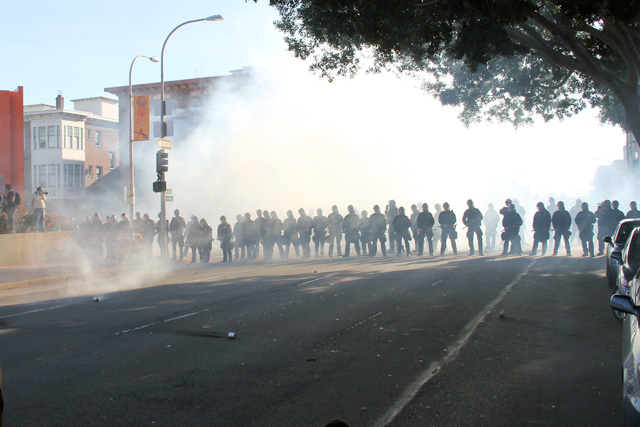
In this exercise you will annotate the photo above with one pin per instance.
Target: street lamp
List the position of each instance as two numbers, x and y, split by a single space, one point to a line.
132 191
163 132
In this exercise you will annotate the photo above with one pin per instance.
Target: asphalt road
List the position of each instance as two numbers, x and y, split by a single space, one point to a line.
395 341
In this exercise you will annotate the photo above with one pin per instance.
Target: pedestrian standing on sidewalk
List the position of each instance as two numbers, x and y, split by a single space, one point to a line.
39 204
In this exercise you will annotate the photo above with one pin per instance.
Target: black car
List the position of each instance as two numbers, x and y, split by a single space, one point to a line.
614 247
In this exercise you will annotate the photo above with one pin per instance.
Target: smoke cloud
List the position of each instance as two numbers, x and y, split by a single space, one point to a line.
289 140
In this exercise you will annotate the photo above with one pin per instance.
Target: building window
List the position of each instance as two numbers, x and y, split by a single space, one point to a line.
112 159
76 138
98 171
69 137
42 176
90 171
58 136
52 181
88 134
98 138
42 137
74 175
51 136
35 138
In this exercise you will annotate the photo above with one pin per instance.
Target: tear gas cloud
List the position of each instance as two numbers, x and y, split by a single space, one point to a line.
289 140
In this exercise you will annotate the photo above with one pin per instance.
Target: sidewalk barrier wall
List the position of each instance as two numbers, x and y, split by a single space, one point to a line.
33 248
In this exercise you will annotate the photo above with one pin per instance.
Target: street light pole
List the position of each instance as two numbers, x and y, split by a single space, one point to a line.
132 191
163 132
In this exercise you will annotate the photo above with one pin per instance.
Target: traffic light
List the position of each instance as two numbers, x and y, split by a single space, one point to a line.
159 186
162 162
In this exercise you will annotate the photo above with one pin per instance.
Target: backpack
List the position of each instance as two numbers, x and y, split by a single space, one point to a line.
17 200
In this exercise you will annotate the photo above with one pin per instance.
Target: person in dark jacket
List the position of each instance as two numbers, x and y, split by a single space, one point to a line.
512 221
334 221
350 226
425 223
193 237
617 213
290 235
206 238
607 223
633 212
472 219
401 225
447 220
378 226
585 220
304 227
561 221
365 232
320 232
225 235
541 226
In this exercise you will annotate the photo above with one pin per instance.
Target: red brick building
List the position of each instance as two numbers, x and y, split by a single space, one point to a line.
12 166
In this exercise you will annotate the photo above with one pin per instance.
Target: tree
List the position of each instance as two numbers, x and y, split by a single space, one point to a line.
507 60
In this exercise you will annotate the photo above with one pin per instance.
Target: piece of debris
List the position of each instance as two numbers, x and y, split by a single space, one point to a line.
501 314
231 335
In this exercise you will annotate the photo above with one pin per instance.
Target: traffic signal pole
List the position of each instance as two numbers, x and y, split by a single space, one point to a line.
162 166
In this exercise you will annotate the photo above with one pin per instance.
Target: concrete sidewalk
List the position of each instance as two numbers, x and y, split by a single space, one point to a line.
39 274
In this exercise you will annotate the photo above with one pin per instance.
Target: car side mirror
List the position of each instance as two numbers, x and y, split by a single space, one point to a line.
624 303
607 239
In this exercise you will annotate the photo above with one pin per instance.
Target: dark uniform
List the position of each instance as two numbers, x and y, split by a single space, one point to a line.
378 225
607 223
425 223
585 220
472 218
350 226
304 227
290 235
335 230
320 230
561 221
447 220
401 226
365 232
541 226
512 221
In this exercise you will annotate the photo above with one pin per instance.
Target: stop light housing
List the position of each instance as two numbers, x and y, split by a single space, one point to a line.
159 186
162 162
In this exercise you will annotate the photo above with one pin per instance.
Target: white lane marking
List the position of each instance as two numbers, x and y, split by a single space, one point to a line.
137 328
316 279
204 279
441 280
360 323
33 311
451 354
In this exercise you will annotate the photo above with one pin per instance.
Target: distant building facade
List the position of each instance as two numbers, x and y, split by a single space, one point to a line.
67 151
185 102
621 179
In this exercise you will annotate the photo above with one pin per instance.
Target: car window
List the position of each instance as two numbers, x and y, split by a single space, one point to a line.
624 231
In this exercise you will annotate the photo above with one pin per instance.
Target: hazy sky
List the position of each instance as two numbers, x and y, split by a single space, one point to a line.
368 139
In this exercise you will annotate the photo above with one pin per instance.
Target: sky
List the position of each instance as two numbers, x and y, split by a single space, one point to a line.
293 140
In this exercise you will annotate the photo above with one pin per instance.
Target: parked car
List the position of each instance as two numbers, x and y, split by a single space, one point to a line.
627 267
1 399
614 246
630 304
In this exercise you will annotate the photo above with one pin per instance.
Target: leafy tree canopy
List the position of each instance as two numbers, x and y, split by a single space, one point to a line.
507 60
